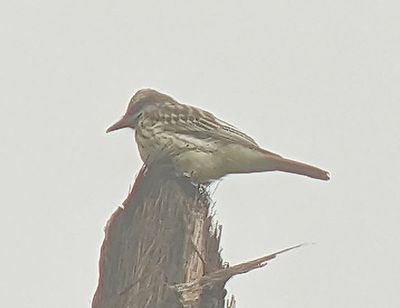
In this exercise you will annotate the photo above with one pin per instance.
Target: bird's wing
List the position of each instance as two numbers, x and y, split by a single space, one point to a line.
188 120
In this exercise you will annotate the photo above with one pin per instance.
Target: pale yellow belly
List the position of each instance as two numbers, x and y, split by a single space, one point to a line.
198 159
201 167
200 162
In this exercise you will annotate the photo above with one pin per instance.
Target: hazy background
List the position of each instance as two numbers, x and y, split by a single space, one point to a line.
316 81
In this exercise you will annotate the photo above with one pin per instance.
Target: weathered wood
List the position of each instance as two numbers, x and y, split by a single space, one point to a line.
163 236
161 249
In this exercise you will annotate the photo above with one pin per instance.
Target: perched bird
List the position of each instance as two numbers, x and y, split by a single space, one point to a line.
198 144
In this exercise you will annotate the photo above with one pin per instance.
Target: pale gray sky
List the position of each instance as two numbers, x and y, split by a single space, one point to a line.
316 81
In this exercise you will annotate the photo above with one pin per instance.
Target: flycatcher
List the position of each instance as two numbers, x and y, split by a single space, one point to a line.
198 144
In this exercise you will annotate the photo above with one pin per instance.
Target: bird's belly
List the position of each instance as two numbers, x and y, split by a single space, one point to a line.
200 166
194 158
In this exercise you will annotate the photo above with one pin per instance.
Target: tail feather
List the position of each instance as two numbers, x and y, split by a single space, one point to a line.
246 160
292 166
269 161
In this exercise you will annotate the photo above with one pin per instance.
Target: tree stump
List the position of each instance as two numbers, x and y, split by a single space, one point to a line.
161 248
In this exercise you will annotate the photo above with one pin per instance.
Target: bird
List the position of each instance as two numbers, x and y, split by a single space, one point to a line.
199 145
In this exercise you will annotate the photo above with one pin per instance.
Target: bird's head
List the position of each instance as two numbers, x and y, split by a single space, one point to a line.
145 100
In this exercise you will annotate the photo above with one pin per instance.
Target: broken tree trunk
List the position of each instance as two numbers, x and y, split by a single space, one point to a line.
161 249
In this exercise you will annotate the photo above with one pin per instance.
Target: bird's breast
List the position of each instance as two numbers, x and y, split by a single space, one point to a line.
156 139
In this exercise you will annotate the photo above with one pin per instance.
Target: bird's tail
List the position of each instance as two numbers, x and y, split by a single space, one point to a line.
259 160
292 166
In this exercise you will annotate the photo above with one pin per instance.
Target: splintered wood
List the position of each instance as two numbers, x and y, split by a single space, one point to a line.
161 249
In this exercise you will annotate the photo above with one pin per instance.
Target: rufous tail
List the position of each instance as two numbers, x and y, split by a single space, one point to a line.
239 159
292 166
259 160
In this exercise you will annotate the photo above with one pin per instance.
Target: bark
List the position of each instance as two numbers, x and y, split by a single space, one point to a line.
161 248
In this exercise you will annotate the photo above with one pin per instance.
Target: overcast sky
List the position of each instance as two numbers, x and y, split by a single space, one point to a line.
316 81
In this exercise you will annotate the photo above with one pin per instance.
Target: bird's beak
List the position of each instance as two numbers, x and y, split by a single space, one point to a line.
124 122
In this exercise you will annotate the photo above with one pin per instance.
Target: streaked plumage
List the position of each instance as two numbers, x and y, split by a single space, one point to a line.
200 145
